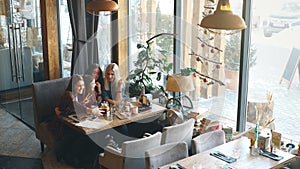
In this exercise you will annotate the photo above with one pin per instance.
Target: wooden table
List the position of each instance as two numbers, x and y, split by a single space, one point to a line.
156 111
239 149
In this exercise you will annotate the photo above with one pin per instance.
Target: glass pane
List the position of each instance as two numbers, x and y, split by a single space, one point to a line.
276 94
104 41
66 38
201 51
146 19
21 56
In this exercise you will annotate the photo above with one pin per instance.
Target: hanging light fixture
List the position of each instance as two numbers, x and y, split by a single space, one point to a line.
223 18
95 6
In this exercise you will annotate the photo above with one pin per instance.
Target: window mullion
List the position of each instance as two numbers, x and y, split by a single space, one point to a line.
244 68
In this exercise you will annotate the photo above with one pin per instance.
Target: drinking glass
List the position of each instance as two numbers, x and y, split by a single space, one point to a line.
109 116
94 113
127 109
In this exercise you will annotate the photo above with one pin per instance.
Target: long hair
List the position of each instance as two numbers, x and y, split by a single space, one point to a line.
114 84
100 79
75 78
87 82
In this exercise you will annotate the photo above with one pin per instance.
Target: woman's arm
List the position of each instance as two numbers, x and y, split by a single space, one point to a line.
98 92
119 90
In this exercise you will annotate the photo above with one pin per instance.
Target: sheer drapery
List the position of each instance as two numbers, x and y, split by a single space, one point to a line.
84 27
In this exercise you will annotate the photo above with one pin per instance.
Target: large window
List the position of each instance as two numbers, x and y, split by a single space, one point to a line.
66 39
274 35
104 41
146 19
220 101
273 39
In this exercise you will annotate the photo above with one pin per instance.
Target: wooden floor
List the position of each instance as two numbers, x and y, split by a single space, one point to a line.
16 139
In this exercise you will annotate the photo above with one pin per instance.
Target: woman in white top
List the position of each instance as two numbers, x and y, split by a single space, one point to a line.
113 89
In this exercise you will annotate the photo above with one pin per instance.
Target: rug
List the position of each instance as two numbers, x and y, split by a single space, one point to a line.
12 162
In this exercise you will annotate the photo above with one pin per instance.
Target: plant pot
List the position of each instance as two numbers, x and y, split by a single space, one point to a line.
231 79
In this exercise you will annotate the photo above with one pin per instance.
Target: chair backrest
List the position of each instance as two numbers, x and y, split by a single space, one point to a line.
174 117
165 154
179 132
134 151
207 141
46 95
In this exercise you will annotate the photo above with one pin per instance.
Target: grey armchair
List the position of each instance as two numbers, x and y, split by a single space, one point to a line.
165 154
207 141
179 132
132 154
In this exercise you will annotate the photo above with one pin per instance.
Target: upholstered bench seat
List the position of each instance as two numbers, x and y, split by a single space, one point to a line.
46 95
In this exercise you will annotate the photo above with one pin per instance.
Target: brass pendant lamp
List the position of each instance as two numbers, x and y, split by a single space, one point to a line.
223 18
96 6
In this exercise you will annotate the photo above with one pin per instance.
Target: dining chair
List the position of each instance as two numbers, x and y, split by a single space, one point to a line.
178 132
207 141
131 155
174 116
165 154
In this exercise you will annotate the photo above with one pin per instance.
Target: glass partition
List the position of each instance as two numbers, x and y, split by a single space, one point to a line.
21 55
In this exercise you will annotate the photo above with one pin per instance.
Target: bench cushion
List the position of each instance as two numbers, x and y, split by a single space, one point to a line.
46 95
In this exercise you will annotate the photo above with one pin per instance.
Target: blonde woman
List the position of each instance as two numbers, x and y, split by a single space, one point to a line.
113 89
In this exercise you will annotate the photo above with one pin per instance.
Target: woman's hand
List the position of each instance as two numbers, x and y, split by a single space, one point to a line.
99 98
87 98
96 111
99 87
57 111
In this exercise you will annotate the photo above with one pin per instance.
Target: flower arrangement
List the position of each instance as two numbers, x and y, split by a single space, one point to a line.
264 112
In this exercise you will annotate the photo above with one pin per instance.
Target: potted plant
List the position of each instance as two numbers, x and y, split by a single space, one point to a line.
232 60
148 64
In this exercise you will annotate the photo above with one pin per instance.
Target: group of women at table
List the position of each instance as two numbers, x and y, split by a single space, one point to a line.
91 89
82 92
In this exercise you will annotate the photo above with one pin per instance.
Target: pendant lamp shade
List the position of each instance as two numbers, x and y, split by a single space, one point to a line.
223 18
101 5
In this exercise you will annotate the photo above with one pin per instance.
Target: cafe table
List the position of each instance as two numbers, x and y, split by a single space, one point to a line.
105 124
238 149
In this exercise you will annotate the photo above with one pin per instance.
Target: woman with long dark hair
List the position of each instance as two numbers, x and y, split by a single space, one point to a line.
90 92
96 72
